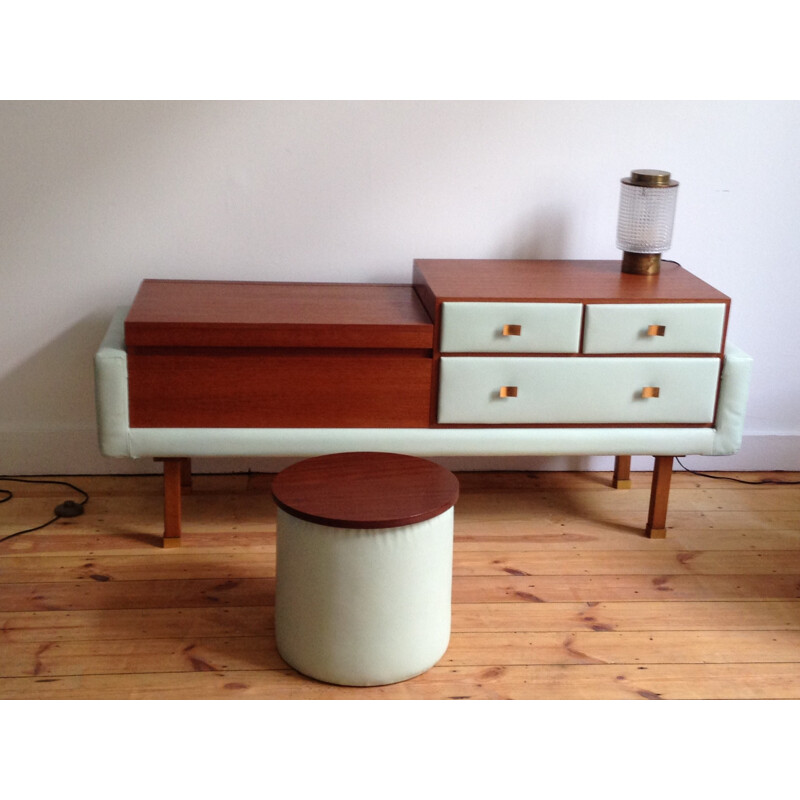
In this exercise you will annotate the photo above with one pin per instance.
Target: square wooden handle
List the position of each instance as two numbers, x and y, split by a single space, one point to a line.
512 330
508 391
657 330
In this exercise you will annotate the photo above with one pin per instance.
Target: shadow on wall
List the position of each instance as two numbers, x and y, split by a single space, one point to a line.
48 400
539 236
56 384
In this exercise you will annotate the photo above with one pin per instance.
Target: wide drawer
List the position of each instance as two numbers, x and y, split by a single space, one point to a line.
511 327
654 328
577 390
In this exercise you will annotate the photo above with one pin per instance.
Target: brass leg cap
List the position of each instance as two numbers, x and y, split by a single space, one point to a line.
657 533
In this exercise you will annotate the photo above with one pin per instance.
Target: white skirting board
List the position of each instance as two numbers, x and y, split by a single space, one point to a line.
75 452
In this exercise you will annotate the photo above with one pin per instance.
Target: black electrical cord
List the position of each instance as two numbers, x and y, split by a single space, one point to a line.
737 480
69 508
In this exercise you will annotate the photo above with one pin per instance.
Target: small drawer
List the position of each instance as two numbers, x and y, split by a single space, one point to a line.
511 327
654 328
507 391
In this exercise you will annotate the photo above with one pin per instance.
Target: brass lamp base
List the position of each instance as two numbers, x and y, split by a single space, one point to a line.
641 263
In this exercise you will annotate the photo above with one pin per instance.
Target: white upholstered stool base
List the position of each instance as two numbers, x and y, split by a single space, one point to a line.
363 607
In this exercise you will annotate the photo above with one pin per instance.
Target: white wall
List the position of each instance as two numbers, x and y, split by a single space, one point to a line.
97 196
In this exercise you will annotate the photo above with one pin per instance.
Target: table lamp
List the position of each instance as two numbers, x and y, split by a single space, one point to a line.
646 215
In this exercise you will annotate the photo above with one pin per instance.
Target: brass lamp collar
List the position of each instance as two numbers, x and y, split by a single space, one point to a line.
652 178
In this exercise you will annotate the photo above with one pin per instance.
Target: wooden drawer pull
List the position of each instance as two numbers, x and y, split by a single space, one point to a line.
657 330
650 391
512 330
508 391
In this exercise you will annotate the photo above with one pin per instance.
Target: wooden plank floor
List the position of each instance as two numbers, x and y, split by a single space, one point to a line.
557 594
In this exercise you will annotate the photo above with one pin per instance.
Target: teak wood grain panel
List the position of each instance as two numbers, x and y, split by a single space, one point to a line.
254 388
365 490
565 281
252 314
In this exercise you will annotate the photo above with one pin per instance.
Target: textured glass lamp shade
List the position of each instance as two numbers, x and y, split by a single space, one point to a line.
646 216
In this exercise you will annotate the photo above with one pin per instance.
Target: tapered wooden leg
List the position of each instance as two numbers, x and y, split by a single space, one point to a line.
659 497
622 472
174 469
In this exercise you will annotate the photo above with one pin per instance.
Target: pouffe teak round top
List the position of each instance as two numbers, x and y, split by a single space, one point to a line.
364 566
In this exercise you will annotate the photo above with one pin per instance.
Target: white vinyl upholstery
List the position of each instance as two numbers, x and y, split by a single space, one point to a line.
543 327
363 607
111 389
623 328
117 439
570 390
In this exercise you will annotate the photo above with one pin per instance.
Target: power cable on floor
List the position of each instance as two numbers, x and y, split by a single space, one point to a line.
737 480
69 508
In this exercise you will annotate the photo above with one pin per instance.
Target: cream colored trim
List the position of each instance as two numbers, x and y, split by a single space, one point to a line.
118 440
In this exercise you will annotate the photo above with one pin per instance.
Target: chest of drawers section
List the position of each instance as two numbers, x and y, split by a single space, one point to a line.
536 352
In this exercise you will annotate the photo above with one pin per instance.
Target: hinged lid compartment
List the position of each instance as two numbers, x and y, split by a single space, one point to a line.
167 313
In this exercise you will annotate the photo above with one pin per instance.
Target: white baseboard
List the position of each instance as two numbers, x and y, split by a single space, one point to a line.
75 452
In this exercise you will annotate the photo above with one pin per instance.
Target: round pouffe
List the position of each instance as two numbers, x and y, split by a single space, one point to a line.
364 566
